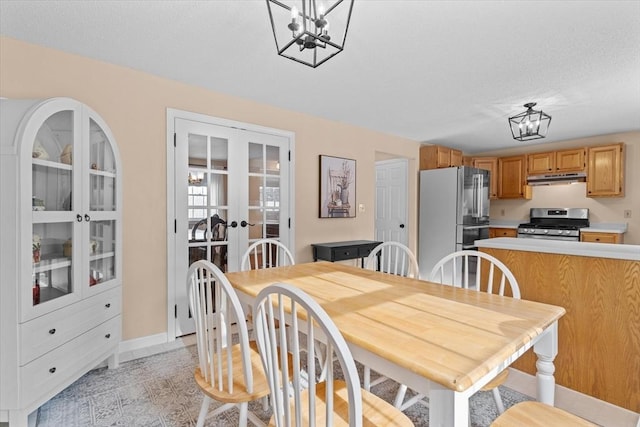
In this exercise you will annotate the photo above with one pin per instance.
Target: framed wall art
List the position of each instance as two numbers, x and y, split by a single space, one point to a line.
337 187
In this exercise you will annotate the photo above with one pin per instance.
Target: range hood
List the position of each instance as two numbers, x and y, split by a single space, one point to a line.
557 178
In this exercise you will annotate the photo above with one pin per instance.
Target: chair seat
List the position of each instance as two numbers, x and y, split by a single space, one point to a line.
498 380
536 414
376 412
239 395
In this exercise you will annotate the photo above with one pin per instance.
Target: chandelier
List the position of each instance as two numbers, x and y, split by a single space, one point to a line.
530 124
309 31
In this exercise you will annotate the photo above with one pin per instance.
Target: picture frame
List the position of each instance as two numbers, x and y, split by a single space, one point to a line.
337 187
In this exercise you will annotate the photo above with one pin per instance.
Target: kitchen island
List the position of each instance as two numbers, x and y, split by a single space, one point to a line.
599 286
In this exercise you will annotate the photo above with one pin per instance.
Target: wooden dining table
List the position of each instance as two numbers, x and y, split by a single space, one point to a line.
441 341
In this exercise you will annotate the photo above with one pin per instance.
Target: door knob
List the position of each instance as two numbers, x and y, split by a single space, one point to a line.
233 224
244 223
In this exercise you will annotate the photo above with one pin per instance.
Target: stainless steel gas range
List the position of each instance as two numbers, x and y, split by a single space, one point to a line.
554 224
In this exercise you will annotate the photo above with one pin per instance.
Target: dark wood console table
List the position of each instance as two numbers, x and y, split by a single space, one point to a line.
340 251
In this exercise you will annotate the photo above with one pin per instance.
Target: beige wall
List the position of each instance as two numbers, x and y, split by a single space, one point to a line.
134 105
601 209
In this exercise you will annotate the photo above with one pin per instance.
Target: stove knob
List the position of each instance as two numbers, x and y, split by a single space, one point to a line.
546 231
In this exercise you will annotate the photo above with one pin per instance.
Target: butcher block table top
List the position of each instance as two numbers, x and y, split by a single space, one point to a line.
451 336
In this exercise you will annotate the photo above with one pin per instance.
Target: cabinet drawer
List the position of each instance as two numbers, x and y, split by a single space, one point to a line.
44 333
346 252
596 237
58 368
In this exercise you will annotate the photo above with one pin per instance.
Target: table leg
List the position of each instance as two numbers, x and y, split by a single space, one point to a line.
447 408
546 349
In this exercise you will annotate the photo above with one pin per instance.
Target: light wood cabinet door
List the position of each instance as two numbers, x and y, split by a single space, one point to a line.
455 158
594 237
605 174
490 164
570 160
541 163
511 177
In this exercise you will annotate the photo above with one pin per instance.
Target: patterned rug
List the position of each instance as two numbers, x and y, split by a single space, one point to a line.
160 391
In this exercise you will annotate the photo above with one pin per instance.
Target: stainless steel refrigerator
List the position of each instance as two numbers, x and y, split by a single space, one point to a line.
454 212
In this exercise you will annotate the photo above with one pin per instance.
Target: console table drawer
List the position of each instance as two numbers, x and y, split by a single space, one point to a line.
44 333
340 251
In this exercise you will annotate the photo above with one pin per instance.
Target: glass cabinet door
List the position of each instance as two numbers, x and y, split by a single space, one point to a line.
100 162
54 227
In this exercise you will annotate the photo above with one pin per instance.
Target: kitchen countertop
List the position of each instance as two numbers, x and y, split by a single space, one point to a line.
597 250
604 227
505 223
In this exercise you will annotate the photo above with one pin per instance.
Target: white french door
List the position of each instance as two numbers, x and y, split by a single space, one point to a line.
231 188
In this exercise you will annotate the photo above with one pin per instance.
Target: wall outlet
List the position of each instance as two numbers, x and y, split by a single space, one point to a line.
627 213
361 208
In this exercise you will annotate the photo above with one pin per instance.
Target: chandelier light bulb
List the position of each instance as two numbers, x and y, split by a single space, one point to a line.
294 13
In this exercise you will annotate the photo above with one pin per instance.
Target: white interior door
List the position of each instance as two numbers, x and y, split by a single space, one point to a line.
391 201
231 188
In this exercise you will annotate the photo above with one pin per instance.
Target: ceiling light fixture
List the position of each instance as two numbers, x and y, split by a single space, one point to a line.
529 125
313 33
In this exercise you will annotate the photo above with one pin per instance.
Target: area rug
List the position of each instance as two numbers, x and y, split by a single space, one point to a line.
160 391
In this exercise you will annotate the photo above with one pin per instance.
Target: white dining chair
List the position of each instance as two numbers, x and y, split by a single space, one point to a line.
228 373
266 253
465 269
299 398
393 258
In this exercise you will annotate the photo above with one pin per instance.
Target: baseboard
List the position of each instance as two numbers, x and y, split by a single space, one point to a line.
585 406
143 342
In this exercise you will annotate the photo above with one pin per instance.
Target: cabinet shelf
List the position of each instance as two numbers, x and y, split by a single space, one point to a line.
46 265
102 173
104 255
52 164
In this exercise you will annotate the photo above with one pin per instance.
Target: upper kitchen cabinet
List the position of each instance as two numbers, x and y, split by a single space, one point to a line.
605 173
437 156
570 160
512 178
490 164
556 161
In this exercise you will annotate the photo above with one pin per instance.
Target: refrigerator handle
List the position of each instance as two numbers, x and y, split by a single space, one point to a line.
477 196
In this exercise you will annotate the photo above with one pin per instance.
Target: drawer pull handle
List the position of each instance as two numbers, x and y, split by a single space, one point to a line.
108 336
52 331
107 305
52 370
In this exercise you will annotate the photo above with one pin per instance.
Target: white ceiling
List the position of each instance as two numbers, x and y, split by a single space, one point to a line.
447 72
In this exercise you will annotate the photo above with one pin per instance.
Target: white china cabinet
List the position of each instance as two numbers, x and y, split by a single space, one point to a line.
61 250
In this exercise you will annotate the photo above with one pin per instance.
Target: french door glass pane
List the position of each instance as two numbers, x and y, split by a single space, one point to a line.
264 191
207 199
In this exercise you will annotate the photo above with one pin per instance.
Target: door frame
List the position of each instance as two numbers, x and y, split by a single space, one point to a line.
172 115
405 163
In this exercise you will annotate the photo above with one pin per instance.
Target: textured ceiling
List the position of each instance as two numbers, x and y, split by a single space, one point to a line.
448 72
